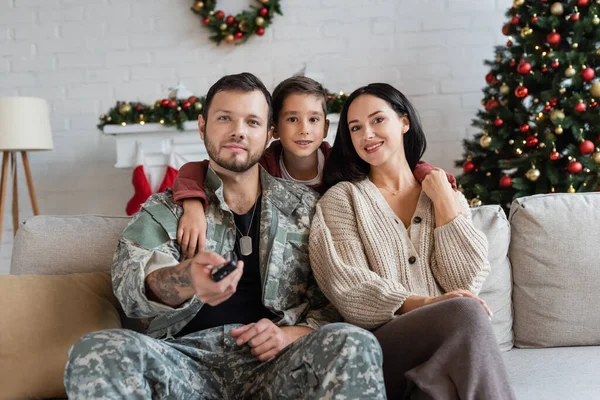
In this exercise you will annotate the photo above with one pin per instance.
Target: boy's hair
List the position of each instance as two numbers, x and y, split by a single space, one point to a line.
244 82
297 85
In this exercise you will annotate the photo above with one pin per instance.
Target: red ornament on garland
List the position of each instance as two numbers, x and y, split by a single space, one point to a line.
583 3
491 104
553 38
260 31
555 155
186 105
468 167
580 107
574 167
139 107
555 64
219 14
587 147
206 21
489 78
515 20
239 35
531 141
588 74
521 92
192 99
505 182
498 122
524 68
263 12
164 103
172 104
524 128
230 20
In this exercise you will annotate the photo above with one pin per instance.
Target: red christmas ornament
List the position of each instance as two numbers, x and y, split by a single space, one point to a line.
555 64
521 92
547 107
260 31
263 12
587 147
531 141
588 74
239 35
593 104
192 99
498 122
553 38
580 107
524 128
555 155
534 19
468 166
172 104
515 20
186 105
495 82
219 14
544 69
553 102
489 78
230 20
524 68
509 43
513 63
505 182
575 17
139 107
582 3
164 103
491 104
574 167
206 21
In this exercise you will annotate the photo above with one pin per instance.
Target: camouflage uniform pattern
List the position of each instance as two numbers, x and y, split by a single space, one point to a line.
336 361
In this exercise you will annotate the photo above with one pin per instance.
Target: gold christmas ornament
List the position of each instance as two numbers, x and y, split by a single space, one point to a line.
264 1
498 58
518 3
475 202
198 5
198 106
575 45
485 141
124 108
526 31
570 72
229 38
596 20
558 130
223 27
571 189
260 21
595 89
243 26
504 89
557 9
533 174
596 156
557 116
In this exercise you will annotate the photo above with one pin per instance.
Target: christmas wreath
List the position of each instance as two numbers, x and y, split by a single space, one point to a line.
236 29
174 112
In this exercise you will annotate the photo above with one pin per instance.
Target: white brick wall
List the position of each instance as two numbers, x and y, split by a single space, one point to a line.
83 55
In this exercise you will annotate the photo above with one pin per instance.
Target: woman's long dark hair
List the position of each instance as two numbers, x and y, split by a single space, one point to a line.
344 163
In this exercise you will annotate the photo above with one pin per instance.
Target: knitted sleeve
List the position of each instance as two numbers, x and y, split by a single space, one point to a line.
460 253
342 269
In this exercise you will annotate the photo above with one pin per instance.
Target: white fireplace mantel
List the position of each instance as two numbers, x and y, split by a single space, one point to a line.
161 145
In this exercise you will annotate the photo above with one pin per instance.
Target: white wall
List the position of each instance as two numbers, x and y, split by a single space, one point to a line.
83 55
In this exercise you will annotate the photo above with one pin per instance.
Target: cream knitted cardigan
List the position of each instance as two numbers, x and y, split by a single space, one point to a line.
367 265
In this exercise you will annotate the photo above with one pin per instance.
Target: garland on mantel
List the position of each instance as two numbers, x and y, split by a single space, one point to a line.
174 112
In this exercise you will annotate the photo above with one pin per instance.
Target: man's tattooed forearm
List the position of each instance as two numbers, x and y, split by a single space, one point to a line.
169 284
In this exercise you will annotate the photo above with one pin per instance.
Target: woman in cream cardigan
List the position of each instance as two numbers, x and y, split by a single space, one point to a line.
404 259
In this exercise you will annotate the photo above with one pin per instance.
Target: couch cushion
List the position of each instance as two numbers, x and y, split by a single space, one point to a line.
555 374
555 256
51 245
41 317
497 290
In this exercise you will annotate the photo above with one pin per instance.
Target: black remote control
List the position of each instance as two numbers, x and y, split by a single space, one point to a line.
221 271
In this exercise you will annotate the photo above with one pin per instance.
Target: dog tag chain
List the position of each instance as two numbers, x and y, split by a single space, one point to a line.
246 240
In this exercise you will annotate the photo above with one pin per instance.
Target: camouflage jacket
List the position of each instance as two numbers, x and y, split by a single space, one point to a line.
289 288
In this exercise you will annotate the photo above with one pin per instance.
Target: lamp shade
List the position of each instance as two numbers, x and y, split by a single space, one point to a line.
24 124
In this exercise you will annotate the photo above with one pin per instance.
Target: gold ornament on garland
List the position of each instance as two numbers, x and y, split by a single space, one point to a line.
242 26
124 108
533 174
557 9
571 189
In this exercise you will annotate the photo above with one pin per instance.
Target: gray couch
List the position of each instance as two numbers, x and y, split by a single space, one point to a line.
544 288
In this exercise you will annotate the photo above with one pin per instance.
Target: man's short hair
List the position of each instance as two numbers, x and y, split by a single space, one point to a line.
244 82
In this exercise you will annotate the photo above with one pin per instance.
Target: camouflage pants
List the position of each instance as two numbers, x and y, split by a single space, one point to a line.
338 361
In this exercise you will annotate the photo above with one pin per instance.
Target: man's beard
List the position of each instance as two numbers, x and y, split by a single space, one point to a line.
233 165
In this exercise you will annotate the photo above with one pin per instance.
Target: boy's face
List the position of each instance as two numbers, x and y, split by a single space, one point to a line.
236 129
302 125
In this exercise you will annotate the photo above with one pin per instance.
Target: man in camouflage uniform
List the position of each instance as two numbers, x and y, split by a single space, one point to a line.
195 346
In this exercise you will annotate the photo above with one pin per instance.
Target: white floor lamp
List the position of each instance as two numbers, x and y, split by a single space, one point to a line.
24 126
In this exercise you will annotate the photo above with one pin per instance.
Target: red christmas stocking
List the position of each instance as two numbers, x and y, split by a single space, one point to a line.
141 186
170 173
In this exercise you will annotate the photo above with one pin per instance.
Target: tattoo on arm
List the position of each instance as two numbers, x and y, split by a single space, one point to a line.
170 286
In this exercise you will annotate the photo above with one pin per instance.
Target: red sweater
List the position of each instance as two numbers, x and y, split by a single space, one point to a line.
190 179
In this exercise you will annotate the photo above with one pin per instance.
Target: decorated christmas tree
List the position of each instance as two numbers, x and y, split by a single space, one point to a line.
540 127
